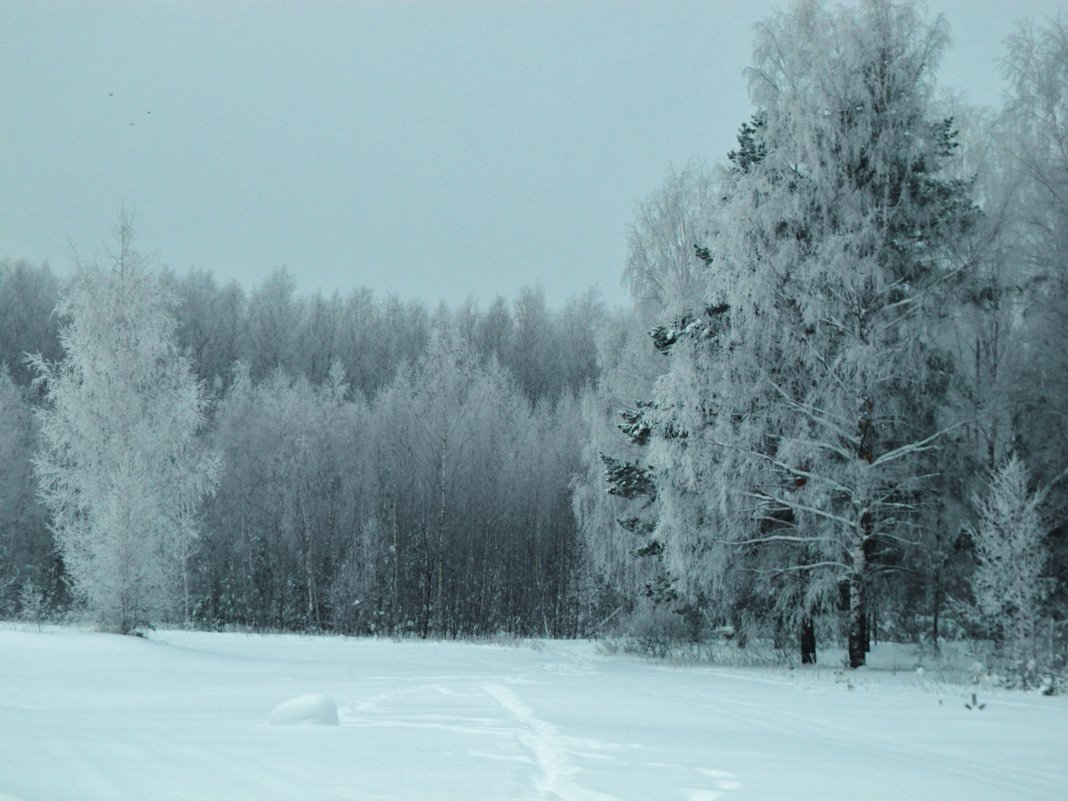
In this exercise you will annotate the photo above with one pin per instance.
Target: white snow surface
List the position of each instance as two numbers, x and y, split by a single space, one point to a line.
185 715
313 709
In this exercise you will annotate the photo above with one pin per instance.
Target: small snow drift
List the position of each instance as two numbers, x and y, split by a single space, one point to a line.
313 709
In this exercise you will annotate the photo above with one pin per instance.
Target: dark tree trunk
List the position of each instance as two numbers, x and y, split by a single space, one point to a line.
936 609
856 620
427 585
808 641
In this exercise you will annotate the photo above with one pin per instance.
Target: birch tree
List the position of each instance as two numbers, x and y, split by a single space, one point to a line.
1035 122
442 402
120 467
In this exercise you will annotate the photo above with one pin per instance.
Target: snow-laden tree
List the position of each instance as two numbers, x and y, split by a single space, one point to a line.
28 294
293 491
533 353
1035 136
120 467
273 326
1037 108
671 230
442 402
614 527
614 497
1011 554
25 547
1032 174
210 319
986 337
793 432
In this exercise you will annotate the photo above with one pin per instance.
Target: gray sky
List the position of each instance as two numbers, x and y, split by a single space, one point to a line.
436 150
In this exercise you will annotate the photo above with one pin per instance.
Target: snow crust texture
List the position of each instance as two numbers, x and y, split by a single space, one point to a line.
184 715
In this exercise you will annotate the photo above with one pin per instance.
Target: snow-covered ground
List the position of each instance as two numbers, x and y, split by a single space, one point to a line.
186 715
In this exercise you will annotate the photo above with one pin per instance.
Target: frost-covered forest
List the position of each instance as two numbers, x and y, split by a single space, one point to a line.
835 411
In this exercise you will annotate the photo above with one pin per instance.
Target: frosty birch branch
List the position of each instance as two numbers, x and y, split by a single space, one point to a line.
779 571
919 446
801 507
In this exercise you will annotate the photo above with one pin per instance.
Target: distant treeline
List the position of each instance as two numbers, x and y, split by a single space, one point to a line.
385 468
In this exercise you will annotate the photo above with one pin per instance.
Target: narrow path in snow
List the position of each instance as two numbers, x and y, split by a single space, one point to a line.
546 744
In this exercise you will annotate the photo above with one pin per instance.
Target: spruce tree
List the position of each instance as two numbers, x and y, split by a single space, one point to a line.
1011 555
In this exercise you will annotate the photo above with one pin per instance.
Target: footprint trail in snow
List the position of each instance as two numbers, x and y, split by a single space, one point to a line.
556 778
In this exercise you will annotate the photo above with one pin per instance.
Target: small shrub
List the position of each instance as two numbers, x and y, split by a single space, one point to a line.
33 604
656 630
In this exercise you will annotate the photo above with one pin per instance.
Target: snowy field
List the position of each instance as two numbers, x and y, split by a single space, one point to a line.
187 716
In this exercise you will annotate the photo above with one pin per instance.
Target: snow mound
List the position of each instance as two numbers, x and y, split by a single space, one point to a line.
313 709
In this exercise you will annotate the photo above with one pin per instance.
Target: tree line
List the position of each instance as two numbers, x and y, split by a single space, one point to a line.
380 467
843 408
834 411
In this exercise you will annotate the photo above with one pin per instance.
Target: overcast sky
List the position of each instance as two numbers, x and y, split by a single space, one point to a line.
436 150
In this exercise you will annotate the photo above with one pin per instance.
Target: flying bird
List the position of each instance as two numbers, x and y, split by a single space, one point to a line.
111 94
